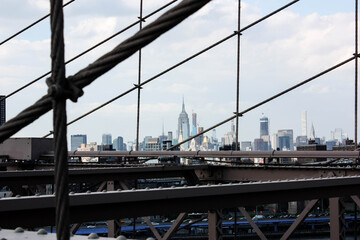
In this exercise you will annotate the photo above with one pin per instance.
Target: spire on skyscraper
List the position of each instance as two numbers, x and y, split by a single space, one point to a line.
183 105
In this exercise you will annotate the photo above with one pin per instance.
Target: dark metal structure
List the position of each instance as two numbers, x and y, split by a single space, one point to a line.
207 190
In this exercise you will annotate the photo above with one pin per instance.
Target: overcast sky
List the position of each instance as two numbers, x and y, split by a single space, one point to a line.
299 42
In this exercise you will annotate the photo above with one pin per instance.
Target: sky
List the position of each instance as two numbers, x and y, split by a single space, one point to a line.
299 42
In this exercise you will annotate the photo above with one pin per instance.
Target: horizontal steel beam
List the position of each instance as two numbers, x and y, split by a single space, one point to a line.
203 172
39 211
215 154
31 177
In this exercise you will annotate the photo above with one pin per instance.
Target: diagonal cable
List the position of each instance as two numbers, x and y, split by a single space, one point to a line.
90 49
105 63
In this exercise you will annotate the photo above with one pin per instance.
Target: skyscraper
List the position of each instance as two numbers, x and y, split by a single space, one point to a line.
303 124
184 126
77 140
118 144
286 139
2 110
264 126
106 139
194 124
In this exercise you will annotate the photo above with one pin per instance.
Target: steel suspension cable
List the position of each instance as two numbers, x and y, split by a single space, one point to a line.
178 64
138 85
356 74
238 77
57 90
31 25
91 48
105 63
267 100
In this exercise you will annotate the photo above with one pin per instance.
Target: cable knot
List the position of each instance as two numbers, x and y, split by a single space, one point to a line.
69 91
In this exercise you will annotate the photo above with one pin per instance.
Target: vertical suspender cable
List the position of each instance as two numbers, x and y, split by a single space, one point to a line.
139 82
356 72
238 77
56 90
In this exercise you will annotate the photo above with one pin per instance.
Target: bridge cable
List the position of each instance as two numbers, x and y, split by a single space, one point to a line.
58 89
91 48
105 63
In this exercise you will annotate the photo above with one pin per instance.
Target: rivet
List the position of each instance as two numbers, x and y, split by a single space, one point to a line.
103 190
173 186
88 191
147 188
119 190
150 238
185 186
197 185
219 183
71 193
19 230
160 187
133 189
93 236
37 194
42 231
18 196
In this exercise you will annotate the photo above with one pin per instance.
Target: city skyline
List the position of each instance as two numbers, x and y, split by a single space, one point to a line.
270 63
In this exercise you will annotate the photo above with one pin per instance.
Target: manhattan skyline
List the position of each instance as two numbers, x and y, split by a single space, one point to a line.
270 62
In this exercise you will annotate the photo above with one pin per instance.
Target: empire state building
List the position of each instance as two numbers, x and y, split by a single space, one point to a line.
183 126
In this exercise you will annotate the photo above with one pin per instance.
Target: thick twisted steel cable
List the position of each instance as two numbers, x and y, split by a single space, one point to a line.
177 65
105 63
59 86
31 25
265 101
91 48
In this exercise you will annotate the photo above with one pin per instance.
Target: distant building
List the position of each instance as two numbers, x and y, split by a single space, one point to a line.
153 144
301 141
285 139
246 146
106 139
118 144
77 140
2 110
89 147
194 124
183 126
260 145
170 136
311 146
264 126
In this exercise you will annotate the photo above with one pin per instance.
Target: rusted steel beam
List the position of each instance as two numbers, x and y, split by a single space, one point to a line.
132 203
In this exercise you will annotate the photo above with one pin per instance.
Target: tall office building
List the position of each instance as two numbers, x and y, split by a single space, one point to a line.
304 123
286 139
312 132
183 126
118 144
77 140
264 126
106 139
2 110
194 124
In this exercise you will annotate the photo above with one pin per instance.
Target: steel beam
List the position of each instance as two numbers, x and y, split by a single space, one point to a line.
133 203
215 224
252 224
214 154
299 219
